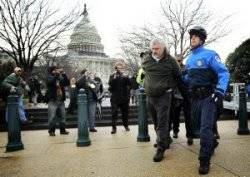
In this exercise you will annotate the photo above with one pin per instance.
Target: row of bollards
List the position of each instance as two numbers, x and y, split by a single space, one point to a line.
14 130
82 114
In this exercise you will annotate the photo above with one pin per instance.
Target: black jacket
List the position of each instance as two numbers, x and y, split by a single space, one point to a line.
51 86
160 76
119 87
84 82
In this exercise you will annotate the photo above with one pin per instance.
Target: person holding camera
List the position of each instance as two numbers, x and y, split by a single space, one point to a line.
88 83
119 87
56 83
15 84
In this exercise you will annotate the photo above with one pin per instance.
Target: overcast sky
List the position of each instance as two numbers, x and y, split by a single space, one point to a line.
112 16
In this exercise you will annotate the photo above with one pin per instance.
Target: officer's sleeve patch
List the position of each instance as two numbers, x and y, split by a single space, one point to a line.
199 63
217 58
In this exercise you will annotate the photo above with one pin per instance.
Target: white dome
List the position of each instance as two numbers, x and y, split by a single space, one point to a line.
85 39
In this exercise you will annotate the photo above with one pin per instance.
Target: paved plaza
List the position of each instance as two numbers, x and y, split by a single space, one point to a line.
120 155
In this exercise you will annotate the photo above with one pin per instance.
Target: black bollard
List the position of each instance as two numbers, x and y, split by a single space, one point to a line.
242 113
82 115
142 118
14 130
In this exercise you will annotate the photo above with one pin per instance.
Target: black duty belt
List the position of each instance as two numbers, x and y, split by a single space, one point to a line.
200 92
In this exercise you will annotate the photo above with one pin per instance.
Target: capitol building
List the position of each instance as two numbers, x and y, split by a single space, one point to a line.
85 50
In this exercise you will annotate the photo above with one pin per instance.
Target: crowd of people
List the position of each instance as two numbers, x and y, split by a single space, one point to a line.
197 88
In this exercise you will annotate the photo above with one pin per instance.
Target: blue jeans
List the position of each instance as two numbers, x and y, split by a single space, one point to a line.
205 111
91 112
52 112
21 112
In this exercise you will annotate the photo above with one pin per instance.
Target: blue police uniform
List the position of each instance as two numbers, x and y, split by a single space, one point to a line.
206 75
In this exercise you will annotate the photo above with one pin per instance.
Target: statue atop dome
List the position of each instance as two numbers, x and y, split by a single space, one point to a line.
85 12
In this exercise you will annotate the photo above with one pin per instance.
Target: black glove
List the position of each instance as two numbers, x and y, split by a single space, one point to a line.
228 97
217 97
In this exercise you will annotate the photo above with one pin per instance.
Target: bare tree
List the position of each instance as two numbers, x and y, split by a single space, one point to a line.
133 43
177 18
30 28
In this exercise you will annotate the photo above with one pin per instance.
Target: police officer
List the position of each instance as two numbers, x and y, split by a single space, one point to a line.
208 79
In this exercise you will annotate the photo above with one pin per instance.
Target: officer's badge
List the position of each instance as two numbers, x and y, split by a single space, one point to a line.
199 63
217 58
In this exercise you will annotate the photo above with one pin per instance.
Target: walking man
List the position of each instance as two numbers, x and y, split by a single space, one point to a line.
119 87
208 80
162 75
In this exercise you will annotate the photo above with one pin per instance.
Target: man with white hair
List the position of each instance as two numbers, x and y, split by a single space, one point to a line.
162 75
15 84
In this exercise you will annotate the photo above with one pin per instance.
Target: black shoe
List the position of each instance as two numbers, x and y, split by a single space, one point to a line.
52 134
190 141
26 122
167 147
127 129
93 130
158 156
113 131
204 167
64 132
175 135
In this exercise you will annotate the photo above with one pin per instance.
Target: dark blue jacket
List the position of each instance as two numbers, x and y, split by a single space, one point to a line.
205 69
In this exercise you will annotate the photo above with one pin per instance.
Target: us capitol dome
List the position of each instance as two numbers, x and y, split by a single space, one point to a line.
85 50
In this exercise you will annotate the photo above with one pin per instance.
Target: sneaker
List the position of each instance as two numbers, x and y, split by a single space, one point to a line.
113 131
204 167
175 135
52 134
190 141
93 130
158 156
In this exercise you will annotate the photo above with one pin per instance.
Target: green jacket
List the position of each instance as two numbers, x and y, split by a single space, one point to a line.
160 76
13 80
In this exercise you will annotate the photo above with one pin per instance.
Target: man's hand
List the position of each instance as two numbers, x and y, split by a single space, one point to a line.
27 88
13 89
92 86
